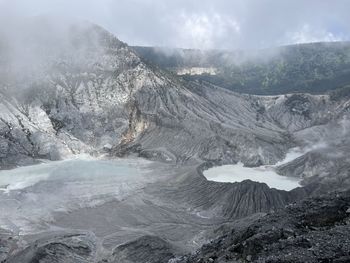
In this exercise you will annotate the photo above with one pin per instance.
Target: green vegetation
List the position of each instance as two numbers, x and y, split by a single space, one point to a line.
315 68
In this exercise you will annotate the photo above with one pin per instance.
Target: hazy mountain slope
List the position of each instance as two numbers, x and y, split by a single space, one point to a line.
314 68
72 96
327 160
204 123
88 92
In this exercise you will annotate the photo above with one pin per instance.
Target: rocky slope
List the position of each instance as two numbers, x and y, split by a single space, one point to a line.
327 159
231 200
89 92
315 230
147 249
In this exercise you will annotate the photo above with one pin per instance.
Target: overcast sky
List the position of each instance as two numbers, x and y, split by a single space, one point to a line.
221 24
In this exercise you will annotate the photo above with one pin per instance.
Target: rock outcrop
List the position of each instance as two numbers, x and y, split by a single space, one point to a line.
315 230
59 248
148 249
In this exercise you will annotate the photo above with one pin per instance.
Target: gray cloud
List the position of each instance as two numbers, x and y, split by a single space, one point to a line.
218 24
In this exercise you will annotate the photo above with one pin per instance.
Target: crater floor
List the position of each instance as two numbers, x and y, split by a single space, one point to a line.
115 201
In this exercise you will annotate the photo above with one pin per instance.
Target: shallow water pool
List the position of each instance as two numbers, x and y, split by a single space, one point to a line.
262 174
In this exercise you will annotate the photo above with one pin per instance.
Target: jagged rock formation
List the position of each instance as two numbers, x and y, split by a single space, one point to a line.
148 249
68 248
315 230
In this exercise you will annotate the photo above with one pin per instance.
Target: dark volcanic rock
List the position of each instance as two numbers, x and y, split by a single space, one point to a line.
7 244
315 230
299 104
147 249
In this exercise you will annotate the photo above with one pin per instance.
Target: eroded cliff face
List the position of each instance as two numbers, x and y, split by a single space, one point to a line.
136 124
74 104
327 160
